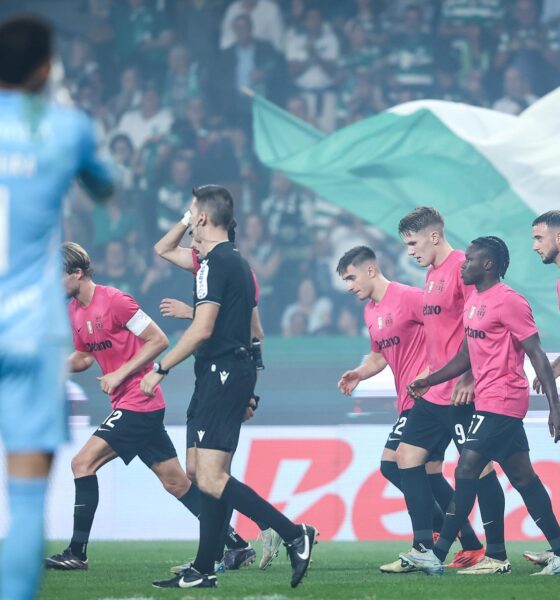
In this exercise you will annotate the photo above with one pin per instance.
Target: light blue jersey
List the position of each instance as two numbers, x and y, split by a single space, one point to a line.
43 147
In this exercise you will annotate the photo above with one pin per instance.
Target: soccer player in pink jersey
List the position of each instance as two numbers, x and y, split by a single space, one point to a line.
111 329
499 330
393 315
448 412
546 242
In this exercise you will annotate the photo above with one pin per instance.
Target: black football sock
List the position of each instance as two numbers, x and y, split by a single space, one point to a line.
420 504
87 498
443 494
456 515
538 504
234 541
191 500
492 503
246 501
212 515
219 555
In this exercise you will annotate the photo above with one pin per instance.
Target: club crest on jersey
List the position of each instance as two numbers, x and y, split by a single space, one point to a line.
89 326
388 320
472 311
202 280
481 311
98 322
379 322
430 287
440 286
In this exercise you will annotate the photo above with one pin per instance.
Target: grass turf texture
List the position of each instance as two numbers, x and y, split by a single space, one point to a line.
342 570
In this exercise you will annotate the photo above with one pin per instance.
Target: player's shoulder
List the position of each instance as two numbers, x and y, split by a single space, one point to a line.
405 290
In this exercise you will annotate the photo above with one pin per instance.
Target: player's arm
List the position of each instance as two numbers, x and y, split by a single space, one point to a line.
534 350
373 364
200 330
458 365
155 342
80 361
171 307
169 246
555 365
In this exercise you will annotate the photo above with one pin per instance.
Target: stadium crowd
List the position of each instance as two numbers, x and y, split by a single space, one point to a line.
162 79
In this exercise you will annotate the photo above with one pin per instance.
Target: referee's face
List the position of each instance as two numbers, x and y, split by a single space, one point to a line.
546 243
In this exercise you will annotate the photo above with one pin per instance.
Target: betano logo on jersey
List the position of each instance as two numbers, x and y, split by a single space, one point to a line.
98 346
387 342
476 334
431 309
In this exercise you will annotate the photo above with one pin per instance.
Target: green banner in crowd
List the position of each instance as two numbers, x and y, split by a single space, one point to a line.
487 172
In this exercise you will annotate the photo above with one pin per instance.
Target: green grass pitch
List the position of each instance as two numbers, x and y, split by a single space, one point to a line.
342 570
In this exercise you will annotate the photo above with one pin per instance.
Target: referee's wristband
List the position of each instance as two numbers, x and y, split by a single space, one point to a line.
186 220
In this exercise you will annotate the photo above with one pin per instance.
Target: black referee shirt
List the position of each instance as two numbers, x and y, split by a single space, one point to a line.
225 278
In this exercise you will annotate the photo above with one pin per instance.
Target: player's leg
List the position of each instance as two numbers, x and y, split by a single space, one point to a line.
33 423
520 472
95 453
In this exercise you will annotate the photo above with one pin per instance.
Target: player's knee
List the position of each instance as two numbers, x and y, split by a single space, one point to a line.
465 471
81 467
407 458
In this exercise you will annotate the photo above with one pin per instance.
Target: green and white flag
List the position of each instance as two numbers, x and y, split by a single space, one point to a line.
487 172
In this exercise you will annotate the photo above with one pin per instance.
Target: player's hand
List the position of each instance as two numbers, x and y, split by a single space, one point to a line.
169 307
418 388
149 382
554 424
463 392
348 382
110 382
250 410
537 385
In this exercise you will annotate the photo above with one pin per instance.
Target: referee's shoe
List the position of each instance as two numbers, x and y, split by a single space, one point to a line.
188 578
66 561
299 551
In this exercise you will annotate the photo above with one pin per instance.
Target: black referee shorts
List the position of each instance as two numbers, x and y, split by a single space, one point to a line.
131 433
221 395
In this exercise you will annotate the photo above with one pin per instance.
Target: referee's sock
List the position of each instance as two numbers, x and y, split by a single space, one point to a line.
443 494
457 513
246 501
538 504
492 504
22 552
87 498
212 515
420 504
191 500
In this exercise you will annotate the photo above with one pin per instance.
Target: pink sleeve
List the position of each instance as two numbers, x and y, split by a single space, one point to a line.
123 308
517 317
78 344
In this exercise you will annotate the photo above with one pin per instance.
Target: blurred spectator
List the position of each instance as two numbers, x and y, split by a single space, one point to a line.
142 33
182 80
312 56
370 16
447 86
474 91
115 221
129 96
531 47
296 15
411 58
79 65
317 310
114 270
148 122
517 93
297 106
296 324
347 322
122 154
268 24
247 63
197 22
248 170
174 196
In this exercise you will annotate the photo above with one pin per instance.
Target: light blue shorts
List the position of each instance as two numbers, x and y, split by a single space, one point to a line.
33 407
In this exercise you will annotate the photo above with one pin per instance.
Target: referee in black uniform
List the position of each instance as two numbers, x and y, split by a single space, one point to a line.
220 335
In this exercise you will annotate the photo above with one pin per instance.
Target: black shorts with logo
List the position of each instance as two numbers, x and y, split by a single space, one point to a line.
496 437
396 435
460 420
132 433
223 388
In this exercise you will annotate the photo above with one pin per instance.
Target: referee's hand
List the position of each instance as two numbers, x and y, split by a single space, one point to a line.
250 410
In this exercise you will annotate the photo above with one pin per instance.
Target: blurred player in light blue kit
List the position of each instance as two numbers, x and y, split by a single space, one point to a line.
43 146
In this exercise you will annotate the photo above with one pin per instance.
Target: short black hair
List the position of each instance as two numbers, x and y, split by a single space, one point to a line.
550 219
217 202
355 256
419 219
231 231
496 250
25 44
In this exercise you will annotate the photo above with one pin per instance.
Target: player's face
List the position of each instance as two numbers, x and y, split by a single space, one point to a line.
546 243
473 269
359 281
71 284
420 245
